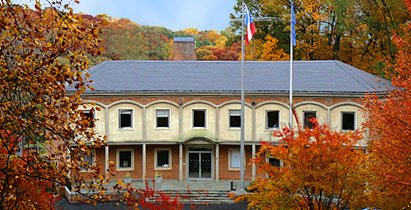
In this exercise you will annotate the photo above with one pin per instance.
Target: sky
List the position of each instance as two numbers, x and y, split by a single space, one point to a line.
172 14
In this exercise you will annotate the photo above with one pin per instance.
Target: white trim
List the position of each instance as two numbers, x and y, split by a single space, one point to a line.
278 103
310 103
162 102
170 159
199 102
93 156
229 159
118 159
347 103
119 120
229 120
205 119
169 118
303 117
266 119
341 120
124 102
237 102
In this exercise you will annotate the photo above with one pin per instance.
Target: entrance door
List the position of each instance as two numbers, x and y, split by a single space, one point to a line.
199 165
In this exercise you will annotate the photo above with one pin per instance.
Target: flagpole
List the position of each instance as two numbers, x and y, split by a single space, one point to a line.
291 67
242 156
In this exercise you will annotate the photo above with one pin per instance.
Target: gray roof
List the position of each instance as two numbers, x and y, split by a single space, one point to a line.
183 39
310 77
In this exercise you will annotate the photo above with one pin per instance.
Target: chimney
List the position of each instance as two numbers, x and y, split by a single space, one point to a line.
184 48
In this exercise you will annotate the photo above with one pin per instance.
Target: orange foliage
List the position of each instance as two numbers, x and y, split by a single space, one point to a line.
322 169
271 51
390 130
42 51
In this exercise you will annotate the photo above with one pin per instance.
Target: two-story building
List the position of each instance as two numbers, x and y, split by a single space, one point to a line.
181 119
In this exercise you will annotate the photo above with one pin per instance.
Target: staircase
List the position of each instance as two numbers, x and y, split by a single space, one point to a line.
196 196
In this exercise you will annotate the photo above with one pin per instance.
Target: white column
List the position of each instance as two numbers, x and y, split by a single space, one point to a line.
253 167
329 116
180 161
144 158
144 124
106 160
217 161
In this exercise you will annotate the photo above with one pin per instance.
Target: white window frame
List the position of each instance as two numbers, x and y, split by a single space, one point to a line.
205 118
169 118
266 119
170 159
93 156
118 159
316 116
94 116
229 118
119 118
230 168
268 157
355 120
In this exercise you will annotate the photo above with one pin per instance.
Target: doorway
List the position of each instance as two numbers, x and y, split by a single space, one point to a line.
200 164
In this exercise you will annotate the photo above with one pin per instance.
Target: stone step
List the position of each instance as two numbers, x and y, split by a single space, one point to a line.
197 196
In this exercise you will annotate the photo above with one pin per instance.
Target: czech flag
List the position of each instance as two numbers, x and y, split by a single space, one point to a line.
249 24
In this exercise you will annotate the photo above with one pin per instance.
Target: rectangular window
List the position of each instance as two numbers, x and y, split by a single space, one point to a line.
162 159
234 159
274 162
199 118
125 159
272 119
88 160
348 121
235 118
88 115
163 116
125 118
308 115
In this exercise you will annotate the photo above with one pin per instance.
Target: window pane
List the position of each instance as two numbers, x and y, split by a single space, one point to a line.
125 118
348 121
162 112
234 158
125 159
162 122
162 158
235 112
199 118
307 117
274 162
162 118
272 119
235 118
89 116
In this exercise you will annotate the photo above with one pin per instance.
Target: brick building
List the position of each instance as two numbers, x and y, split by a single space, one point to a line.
181 119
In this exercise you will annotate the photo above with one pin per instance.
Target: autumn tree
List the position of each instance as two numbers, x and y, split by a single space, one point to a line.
390 130
357 32
43 134
271 50
320 169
